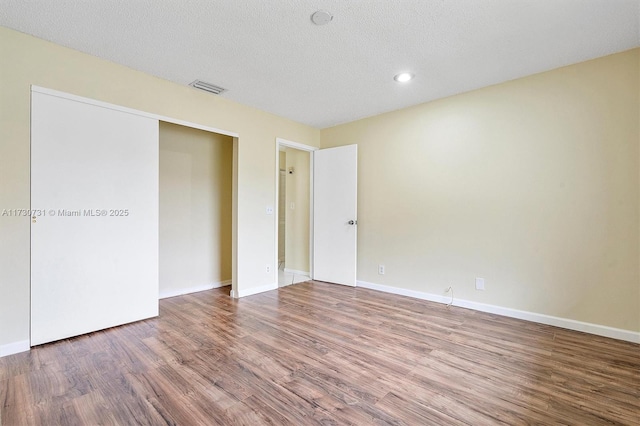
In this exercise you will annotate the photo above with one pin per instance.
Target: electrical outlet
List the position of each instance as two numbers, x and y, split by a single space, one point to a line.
268 269
269 210
479 283
381 269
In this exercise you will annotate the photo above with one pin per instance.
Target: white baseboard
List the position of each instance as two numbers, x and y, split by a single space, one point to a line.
295 272
14 348
599 330
256 290
182 291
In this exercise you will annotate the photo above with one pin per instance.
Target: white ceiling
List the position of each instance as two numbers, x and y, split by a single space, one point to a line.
269 55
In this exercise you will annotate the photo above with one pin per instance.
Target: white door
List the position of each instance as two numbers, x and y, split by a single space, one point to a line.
94 240
335 179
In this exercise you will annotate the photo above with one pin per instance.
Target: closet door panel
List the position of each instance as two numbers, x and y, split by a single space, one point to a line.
94 229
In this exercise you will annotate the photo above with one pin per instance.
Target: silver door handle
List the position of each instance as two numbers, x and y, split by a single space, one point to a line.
353 222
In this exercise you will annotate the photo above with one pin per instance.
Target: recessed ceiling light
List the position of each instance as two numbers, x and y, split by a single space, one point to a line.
403 77
321 17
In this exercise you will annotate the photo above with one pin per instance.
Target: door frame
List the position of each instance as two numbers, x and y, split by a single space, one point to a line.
280 142
235 166
282 177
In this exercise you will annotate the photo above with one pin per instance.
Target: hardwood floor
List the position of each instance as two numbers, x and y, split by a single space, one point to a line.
316 353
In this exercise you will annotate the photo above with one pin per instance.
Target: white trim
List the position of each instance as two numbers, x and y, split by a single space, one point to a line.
599 330
296 272
404 292
94 102
296 145
276 212
14 348
234 216
182 291
256 290
311 213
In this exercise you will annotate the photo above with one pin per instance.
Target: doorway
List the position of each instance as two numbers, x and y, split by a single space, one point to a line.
195 218
294 213
332 224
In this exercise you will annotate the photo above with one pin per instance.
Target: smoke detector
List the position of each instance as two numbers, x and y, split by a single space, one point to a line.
321 17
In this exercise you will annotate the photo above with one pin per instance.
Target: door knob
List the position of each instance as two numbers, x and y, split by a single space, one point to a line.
353 222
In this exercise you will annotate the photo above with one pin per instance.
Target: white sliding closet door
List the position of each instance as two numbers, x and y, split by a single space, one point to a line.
94 242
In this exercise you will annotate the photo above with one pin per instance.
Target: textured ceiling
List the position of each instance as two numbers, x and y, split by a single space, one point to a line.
269 55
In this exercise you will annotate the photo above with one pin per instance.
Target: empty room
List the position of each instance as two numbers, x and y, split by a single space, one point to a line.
408 212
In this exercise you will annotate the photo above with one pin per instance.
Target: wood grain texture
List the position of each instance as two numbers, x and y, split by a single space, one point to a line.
315 353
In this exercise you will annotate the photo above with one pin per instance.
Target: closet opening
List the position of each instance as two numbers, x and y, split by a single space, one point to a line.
195 212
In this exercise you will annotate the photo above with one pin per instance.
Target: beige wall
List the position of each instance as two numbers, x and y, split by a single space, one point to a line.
27 60
195 208
532 185
297 219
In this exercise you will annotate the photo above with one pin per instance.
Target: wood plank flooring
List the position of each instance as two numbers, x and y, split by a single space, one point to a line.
316 353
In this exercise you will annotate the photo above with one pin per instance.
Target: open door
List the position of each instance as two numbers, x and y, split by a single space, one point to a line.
335 180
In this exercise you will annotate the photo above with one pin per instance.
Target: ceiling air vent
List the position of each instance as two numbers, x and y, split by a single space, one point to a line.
207 87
